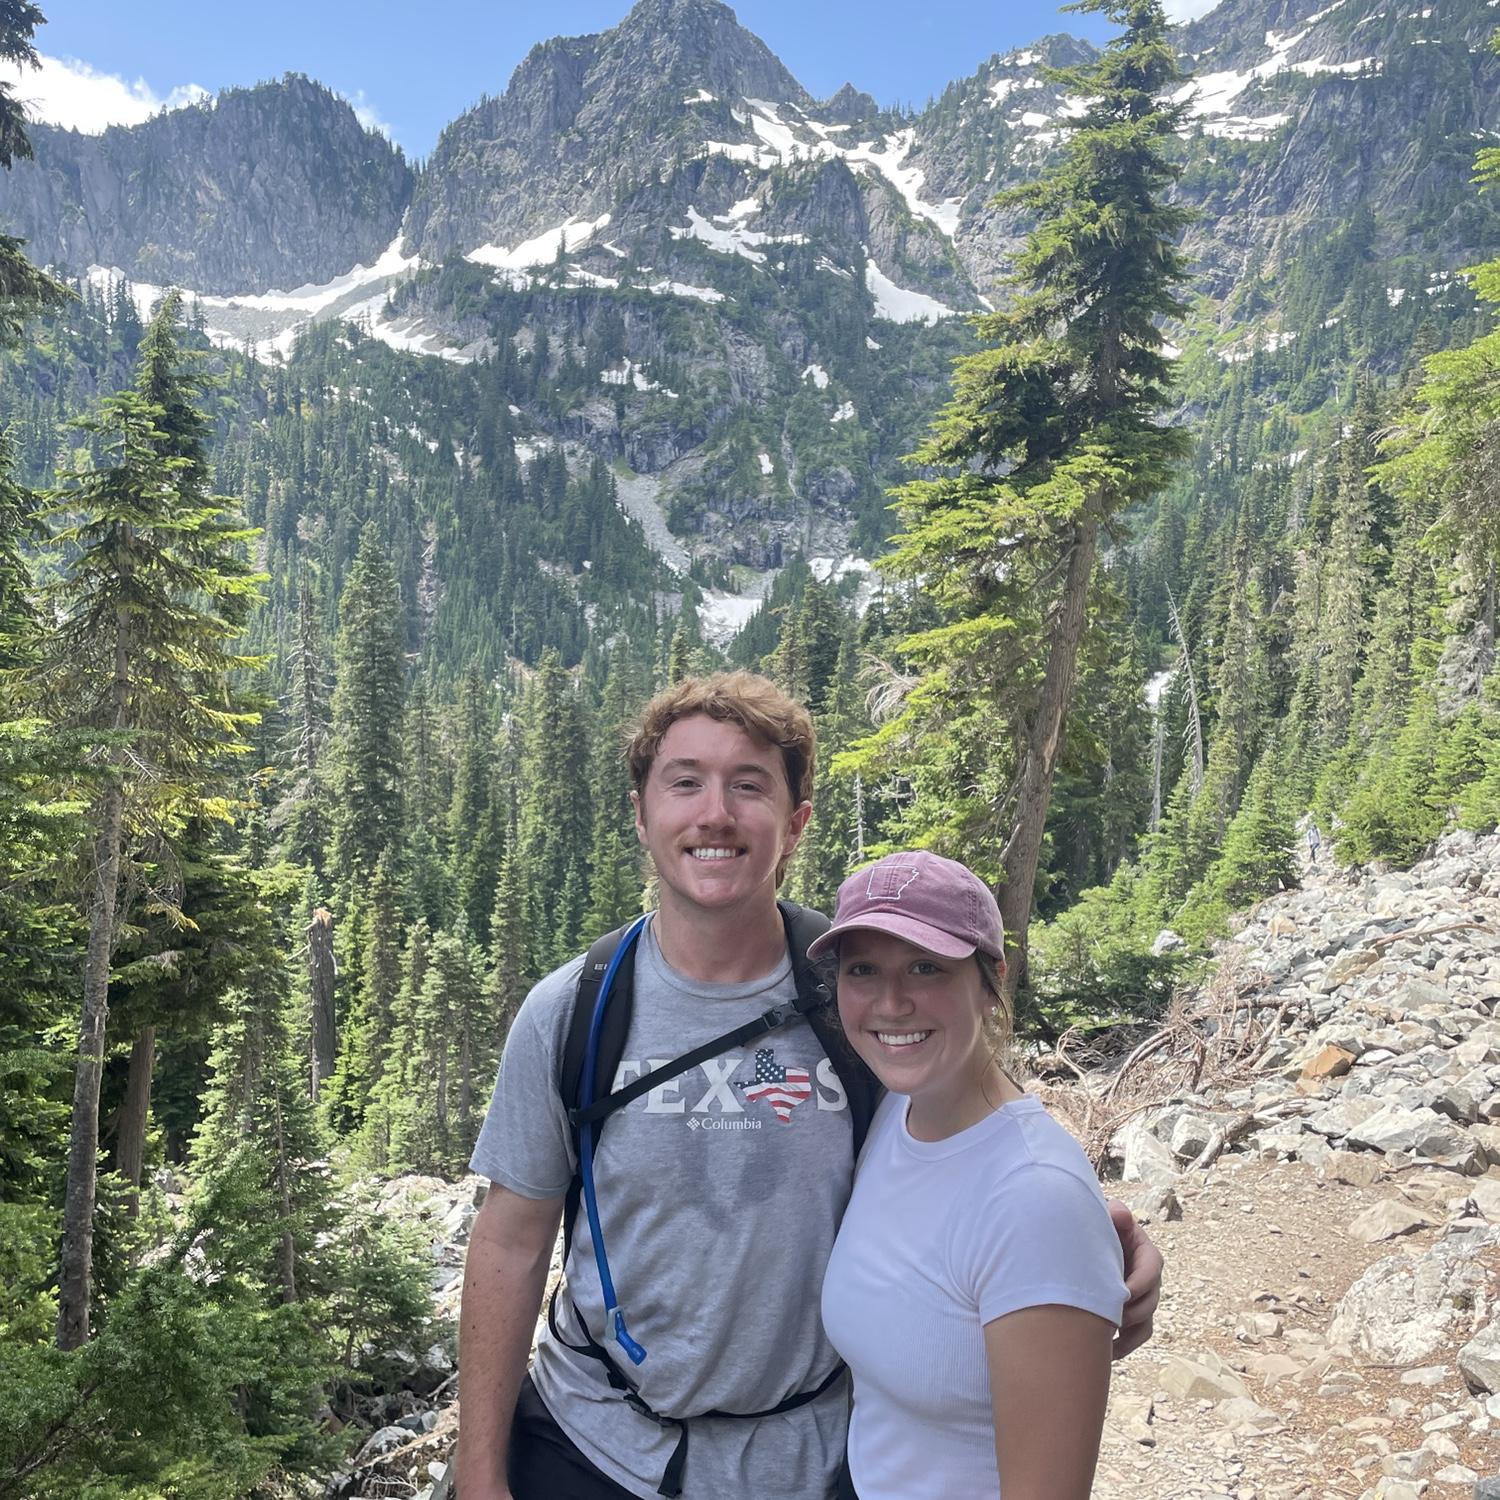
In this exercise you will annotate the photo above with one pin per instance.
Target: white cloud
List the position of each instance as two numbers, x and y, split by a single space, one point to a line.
368 116
64 91
1179 11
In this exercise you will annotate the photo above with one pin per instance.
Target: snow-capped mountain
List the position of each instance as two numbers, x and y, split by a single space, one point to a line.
759 284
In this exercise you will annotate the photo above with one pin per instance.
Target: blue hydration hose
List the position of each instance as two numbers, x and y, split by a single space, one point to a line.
612 1313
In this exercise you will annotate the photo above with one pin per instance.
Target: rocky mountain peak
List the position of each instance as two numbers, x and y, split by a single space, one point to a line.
849 106
698 42
186 197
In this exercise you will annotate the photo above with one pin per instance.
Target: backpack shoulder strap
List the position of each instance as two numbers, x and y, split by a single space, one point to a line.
611 1044
815 1001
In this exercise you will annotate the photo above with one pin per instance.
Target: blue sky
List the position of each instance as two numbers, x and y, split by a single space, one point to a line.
413 68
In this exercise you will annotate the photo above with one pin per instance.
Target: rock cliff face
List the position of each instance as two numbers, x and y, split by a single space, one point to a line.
273 186
585 118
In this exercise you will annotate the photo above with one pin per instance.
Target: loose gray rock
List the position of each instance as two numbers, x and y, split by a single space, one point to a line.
1479 1360
1385 1221
1404 1308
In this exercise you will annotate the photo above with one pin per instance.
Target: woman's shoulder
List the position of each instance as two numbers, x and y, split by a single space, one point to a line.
1039 1156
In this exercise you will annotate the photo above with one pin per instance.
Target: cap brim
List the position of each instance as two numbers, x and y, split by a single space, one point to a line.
896 924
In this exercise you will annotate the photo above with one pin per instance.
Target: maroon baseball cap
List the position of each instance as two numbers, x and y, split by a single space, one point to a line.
936 903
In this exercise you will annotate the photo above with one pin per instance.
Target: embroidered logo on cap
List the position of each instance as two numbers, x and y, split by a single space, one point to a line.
888 880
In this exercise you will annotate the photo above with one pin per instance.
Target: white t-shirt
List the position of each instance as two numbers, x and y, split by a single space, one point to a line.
940 1238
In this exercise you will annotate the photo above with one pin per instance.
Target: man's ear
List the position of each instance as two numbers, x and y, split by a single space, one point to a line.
798 824
639 808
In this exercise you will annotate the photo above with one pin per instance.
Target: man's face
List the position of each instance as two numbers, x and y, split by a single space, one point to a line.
716 814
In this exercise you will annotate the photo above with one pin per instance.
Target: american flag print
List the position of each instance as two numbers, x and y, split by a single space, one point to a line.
782 1088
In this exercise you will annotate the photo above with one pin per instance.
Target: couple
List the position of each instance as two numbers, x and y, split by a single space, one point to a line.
971 1278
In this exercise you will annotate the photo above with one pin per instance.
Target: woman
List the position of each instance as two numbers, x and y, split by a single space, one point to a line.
976 1281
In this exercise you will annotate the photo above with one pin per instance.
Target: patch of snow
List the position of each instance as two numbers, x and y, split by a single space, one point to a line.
832 569
590 278
1000 91
818 375
733 241
767 468
1394 295
824 264
870 343
722 615
746 208
844 413
701 97
888 160
540 249
682 289
614 250
1026 58
1156 686
899 305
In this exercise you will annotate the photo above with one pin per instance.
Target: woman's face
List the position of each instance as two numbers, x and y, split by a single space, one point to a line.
916 1018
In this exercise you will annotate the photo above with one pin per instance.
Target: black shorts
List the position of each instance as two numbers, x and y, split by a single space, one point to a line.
546 1465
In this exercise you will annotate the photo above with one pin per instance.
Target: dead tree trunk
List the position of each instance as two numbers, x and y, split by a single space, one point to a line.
1042 746
75 1276
131 1151
321 973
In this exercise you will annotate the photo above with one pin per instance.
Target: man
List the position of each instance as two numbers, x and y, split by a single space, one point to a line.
719 1191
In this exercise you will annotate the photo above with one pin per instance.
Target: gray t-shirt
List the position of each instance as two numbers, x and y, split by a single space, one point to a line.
720 1194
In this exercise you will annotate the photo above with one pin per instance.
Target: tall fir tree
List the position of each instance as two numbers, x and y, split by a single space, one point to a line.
155 594
1054 429
368 703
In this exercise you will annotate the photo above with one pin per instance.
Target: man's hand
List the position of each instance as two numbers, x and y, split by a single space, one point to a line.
1143 1268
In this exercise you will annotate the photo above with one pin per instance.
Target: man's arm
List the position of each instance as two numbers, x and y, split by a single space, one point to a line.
1143 1268
505 1275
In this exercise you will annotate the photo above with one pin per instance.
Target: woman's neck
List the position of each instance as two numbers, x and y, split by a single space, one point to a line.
935 1117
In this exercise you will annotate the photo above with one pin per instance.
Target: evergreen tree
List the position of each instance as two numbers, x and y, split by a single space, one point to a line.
1053 430
366 744
510 973
155 593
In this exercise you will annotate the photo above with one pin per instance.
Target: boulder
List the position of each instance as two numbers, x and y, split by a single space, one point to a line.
1357 1168
1385 1221
1144 1157
1329 1062
1207 1378
1422 1132
1403 1310
383 1441
1479 1360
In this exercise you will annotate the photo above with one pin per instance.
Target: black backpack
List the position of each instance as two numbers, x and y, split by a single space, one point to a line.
813 1002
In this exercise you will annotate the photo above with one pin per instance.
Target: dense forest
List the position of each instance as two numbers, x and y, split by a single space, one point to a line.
311 713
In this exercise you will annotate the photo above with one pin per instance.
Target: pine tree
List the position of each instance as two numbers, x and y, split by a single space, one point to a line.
24 290
367 1030
1052 431
554 819
156 592
510 973
390 1121
302 814
367 719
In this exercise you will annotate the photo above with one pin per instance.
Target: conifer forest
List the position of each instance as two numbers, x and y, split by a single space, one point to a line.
315 662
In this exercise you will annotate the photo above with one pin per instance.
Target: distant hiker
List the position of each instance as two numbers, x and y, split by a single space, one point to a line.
976 1282
717 1170
1314 843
